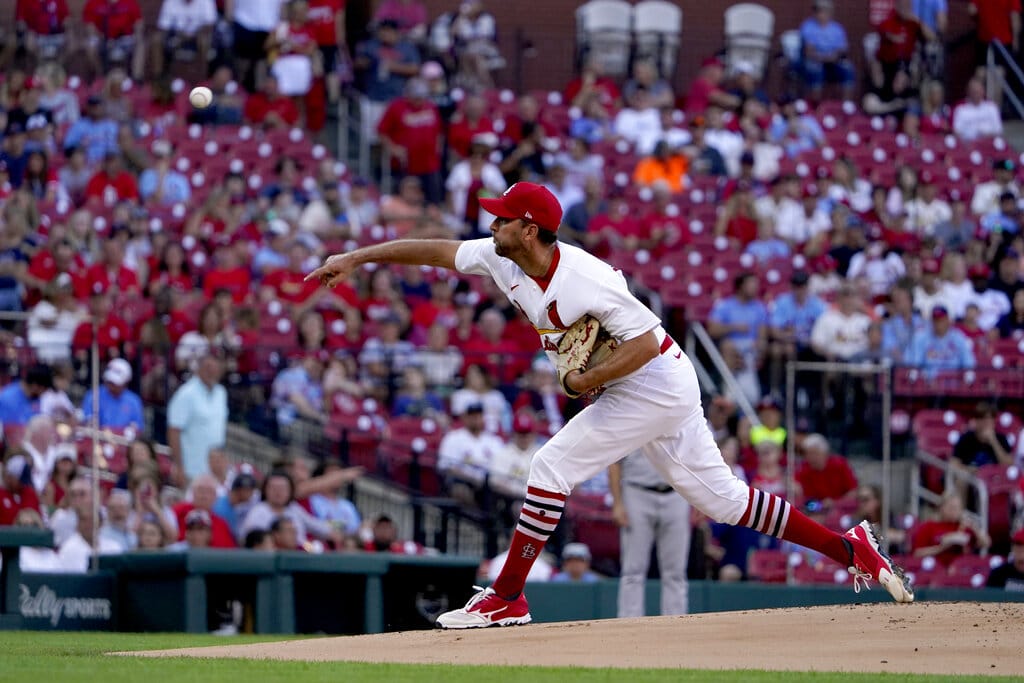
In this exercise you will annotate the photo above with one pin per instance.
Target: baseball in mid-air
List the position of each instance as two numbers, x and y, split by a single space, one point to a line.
200 97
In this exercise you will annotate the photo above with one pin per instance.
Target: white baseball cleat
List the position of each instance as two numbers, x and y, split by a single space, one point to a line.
487 608
869 562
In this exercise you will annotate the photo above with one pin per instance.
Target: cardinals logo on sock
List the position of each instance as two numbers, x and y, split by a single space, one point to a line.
529 551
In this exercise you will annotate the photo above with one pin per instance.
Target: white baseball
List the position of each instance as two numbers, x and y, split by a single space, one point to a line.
200 97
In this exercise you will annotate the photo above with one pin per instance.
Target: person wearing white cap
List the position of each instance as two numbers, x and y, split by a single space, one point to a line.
471 178
576 565
119 406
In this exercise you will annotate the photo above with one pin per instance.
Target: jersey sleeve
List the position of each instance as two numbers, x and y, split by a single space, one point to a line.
477 257
619 312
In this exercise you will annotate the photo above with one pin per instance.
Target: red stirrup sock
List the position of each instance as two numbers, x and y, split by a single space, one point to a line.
538 519
774 516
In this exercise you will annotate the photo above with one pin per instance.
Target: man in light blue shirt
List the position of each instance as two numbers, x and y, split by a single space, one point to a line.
94 133
576 565
942 347
197 418
932 13
793 314
902 324
825 48
120 407
741 318
19 401
161 184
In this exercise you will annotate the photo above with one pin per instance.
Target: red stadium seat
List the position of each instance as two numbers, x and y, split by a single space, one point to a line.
824 571
768 566
1002 483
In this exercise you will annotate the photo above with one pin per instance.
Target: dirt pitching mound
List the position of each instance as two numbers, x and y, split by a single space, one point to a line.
927 638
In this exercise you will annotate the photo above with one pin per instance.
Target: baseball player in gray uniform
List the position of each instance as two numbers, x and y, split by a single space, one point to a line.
649 398
648 513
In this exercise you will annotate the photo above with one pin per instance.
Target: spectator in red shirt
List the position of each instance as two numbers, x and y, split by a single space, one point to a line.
269 108
204 495
384 539
17 493
663 227
738 222
824 476
706 89
410 132
293 45
612 228
112 183
470 121
41 26
950 535
327 20
592 81
996 20
899 36
112 333
58 256
501 357
114 32
171 270
110 274
289 283
439 310
228 273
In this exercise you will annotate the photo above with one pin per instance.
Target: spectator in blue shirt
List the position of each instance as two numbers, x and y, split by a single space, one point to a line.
297 392
161 184
825 50
942 347
120 407
741 318
576 565
332 506
234 505
932 13
793 314
902 323
19 401
14 153
94 132
768 246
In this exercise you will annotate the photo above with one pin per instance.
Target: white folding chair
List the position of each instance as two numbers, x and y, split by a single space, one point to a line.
748 34
657 27
603 30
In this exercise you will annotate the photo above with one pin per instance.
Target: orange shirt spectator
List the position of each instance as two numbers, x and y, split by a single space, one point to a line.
664 165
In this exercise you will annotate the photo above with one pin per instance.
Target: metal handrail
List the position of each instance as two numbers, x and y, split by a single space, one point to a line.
701 335
997 46
952 475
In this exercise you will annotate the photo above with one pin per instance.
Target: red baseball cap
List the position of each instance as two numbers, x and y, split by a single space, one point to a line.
522 424
528 201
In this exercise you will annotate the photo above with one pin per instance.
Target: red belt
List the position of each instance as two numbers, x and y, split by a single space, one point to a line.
666 344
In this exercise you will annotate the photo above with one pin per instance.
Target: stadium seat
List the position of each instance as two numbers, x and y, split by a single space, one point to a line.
749 29
767 565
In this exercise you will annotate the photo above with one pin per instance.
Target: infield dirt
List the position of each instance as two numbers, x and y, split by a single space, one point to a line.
926 638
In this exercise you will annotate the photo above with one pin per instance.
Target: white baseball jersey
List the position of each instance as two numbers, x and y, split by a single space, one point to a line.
577 284
655 409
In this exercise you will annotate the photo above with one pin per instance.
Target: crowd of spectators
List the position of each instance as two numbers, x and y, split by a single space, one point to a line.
186 281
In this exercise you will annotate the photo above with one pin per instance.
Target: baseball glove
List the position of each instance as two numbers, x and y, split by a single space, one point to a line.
583 345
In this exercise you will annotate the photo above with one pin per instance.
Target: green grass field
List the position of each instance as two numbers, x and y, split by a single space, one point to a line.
71 657
55 657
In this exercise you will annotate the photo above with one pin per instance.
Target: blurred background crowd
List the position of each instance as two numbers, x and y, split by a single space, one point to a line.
809 198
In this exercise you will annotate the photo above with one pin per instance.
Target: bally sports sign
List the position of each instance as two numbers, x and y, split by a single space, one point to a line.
66 602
